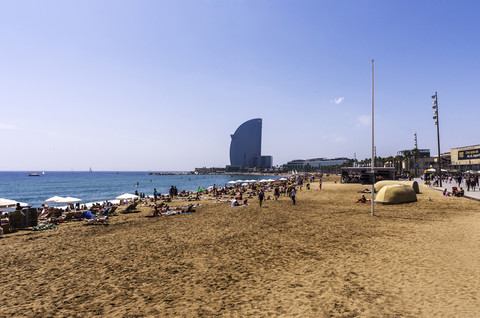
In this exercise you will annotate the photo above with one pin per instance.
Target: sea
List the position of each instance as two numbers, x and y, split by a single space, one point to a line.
102 185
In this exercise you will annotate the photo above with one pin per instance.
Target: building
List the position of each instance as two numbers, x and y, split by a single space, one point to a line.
465 158
246 147
416 161
422 153
313 164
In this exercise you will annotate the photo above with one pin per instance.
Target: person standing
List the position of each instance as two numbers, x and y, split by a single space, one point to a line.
276 193
293 193
320 184
261 196
155 194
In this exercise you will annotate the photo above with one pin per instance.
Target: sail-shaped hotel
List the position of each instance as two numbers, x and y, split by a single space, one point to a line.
246 147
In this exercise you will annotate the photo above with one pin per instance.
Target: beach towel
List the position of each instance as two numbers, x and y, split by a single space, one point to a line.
87 215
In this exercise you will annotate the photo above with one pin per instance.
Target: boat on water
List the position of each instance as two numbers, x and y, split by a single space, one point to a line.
34 174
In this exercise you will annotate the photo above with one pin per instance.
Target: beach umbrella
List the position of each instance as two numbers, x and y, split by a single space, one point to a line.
231 182
245 184
262 181
238 181
68 200
282 179
431 170
127 196
5 203
54 199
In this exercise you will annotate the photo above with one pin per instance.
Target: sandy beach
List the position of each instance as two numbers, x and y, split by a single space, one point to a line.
326 256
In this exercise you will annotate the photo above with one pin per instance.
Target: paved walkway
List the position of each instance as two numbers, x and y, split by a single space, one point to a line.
469 194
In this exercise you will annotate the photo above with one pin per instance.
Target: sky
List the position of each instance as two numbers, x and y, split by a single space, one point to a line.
161 85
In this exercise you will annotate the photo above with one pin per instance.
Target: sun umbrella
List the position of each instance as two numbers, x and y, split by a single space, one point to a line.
127 196
5 203
231 182
282 179
54 199
68 200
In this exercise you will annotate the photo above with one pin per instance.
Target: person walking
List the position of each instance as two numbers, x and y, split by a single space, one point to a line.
292 194
276 193
261 196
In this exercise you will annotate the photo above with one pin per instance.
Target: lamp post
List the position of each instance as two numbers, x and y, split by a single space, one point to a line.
415 153
373 151
435 117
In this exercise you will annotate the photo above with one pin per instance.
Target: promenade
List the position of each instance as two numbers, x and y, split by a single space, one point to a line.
469 194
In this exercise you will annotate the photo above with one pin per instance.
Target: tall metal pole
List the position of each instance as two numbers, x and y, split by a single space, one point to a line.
415 154
373 152
438 139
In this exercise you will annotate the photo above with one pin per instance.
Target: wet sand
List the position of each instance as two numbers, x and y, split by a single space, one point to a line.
324 257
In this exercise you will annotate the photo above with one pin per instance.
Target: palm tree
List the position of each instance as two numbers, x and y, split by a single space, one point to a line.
390 161
399 159
408 155
416 152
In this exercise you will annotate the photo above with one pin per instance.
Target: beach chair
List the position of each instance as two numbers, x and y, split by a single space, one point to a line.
109 210
132 208
68 216
97 221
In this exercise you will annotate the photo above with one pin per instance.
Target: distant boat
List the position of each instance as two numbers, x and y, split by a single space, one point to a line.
43 172
34 174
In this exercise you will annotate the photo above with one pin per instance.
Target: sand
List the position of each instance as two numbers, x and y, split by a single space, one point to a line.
324 257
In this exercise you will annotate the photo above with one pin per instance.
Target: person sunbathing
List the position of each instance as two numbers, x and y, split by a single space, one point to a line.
189 209
362 199
446 193
365 191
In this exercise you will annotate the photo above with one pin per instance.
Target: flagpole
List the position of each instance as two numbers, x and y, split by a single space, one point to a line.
373 153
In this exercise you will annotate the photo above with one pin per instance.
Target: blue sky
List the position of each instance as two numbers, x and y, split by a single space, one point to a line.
161 85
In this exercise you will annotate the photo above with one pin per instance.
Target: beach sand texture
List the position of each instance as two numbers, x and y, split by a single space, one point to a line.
324 257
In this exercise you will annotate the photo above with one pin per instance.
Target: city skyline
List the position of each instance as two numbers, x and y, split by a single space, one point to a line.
160 85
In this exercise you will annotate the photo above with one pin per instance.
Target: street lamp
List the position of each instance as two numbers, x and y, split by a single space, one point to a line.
435 117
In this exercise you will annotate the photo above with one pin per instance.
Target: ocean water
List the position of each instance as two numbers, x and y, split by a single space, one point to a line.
101 186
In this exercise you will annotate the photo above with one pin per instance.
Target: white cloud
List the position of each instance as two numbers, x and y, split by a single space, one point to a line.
338 100
7 126
364 121
340 139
